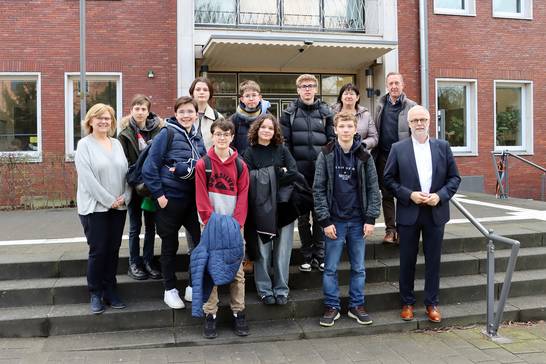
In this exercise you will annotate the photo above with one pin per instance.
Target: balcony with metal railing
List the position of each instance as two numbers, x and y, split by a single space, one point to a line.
352 16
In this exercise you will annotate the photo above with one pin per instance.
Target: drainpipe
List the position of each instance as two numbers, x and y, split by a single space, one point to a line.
423 45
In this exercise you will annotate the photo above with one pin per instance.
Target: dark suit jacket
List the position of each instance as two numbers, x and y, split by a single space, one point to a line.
402 179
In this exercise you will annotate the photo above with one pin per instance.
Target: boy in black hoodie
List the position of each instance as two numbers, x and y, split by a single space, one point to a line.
347 202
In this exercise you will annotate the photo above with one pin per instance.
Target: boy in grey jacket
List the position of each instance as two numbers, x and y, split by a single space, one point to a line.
347 202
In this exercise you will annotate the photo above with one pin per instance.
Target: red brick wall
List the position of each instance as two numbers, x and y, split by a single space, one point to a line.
129 36
484 48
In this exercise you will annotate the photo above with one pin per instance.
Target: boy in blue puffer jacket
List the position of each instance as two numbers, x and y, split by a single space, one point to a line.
168 172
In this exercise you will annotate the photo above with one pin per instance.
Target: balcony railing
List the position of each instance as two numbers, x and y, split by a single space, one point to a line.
360 16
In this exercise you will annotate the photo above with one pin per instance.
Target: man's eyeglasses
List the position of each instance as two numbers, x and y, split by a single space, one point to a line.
416 121
308 86
222 135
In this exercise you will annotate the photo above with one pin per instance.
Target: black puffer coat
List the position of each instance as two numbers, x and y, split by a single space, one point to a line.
306 129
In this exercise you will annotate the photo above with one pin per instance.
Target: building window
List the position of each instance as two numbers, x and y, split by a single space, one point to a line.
331 84
215 11
522 9
457 114
514 116
20 116
101 88
455 7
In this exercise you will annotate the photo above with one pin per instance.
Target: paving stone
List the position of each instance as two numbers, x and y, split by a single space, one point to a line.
536 358
502 355
529 346
456 360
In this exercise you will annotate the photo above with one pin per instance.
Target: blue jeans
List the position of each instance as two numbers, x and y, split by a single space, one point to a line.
135 225
276 252
351 233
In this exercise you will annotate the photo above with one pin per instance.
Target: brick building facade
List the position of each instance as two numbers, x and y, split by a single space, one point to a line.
478 59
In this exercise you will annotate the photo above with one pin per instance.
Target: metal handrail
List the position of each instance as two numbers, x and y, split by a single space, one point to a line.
502 180
493 318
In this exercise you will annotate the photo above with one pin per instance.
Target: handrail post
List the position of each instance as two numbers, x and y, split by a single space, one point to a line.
490 287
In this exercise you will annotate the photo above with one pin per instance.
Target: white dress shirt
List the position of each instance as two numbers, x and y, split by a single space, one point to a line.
423 159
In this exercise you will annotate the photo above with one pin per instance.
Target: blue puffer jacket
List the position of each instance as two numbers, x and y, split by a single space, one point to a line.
186 149
216 260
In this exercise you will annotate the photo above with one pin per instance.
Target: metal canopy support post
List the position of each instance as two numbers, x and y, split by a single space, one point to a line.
83 90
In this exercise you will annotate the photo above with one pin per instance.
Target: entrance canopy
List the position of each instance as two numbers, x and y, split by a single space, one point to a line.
291 54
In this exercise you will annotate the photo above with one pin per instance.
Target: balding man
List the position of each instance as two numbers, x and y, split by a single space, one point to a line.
391 120
422 174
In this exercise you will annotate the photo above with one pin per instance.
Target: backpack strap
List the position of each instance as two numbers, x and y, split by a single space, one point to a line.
208 167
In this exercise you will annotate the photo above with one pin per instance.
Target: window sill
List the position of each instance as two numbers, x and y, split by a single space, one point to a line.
512 16
20 157
453 12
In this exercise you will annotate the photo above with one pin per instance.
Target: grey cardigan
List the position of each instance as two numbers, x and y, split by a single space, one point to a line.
101 176
323 187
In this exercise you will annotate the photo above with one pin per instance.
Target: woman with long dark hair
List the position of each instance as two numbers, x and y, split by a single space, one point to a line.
267 150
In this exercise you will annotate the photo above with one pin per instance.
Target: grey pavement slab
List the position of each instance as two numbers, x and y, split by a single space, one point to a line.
456 345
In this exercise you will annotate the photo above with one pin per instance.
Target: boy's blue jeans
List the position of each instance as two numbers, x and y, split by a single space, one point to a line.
351 233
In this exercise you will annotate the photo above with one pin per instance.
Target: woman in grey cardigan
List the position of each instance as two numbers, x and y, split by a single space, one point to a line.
102 198
347 101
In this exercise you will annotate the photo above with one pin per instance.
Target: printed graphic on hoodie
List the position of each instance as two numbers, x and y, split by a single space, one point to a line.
222 181
345 172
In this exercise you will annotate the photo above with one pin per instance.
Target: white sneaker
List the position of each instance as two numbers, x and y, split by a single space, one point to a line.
172 299
188 293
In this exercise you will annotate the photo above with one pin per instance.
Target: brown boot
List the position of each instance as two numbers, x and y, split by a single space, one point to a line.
248 266
390 238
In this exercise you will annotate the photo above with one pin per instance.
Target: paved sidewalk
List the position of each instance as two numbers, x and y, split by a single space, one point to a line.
449 346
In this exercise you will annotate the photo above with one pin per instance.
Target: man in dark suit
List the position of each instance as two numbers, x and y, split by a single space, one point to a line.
422 174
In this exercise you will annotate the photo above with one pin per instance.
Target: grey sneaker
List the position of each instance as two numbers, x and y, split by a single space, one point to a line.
330 316
360 315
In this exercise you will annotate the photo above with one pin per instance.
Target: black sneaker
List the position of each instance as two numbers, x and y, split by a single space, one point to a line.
317 264
305 267
330 316
240 327
151 270
209 330
360 315
112 299
268 300
137 273
281 300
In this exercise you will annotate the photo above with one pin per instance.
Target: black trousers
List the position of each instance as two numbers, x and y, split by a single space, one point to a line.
387 198
103 231
177 213
433 236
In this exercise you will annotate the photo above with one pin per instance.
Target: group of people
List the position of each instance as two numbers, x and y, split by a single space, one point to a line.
329 168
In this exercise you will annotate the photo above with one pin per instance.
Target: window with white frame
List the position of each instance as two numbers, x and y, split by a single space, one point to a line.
101 88
522 9
20 115
455 7
457 114
514 116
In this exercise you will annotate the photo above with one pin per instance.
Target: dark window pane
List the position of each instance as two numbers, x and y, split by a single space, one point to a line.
18 115
452 100
226 105
223 83
509 100
331 84
98 92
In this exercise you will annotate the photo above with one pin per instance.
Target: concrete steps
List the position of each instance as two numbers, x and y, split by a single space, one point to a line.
48 296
